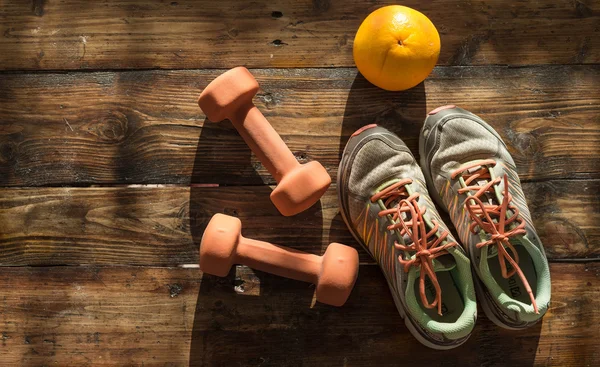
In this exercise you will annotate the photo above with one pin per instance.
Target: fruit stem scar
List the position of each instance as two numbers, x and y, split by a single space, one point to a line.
400 42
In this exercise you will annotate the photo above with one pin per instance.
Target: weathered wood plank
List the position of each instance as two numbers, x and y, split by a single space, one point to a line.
163 226
83 34
145 127
157 316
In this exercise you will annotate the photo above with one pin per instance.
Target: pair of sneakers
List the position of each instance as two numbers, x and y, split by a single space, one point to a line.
470 174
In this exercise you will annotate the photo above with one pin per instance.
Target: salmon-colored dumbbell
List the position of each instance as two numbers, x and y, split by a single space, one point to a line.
229 96
334 273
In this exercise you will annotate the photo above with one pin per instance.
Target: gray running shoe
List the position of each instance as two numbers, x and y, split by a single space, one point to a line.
385 204
471 174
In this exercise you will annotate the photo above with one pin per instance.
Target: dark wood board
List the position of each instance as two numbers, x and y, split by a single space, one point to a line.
109 173
163 226
176 317
144 127
81 34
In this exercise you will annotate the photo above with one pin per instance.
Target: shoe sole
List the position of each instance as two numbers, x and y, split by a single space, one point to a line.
442 116
354 142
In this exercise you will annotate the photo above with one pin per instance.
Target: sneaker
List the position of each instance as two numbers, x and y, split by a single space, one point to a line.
471 174
385 204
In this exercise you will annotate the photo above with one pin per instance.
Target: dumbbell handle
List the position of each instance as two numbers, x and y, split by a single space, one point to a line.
264 141
278 260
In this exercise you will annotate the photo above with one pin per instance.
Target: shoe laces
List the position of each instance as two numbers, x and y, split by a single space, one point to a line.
494 219
425 244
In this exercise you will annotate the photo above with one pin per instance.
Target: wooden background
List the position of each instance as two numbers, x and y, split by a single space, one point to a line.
108 171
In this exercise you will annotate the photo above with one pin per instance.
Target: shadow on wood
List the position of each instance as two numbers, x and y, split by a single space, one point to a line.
338 232
297 227
120 315
240 292
216 138
241 320
231 313
243 302
400 112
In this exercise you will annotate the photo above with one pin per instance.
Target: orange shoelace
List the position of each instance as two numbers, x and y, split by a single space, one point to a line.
483 215
426 245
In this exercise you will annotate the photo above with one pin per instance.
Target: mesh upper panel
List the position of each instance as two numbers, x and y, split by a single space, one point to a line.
463 140
374 164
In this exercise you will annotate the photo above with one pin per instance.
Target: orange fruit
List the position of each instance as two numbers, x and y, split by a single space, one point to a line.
396 47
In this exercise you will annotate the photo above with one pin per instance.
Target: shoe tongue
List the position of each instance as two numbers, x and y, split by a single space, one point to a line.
488 198
492 250
394 203
444 263
441 264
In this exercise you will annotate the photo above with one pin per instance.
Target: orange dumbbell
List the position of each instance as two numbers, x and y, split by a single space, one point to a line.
334 273
229 96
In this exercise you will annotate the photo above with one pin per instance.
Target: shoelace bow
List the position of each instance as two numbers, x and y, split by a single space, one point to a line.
481 213
425 244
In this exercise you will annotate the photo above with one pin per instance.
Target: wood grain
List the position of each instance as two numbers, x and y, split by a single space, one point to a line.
100 271
163 226
157 316
83 34
145 126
